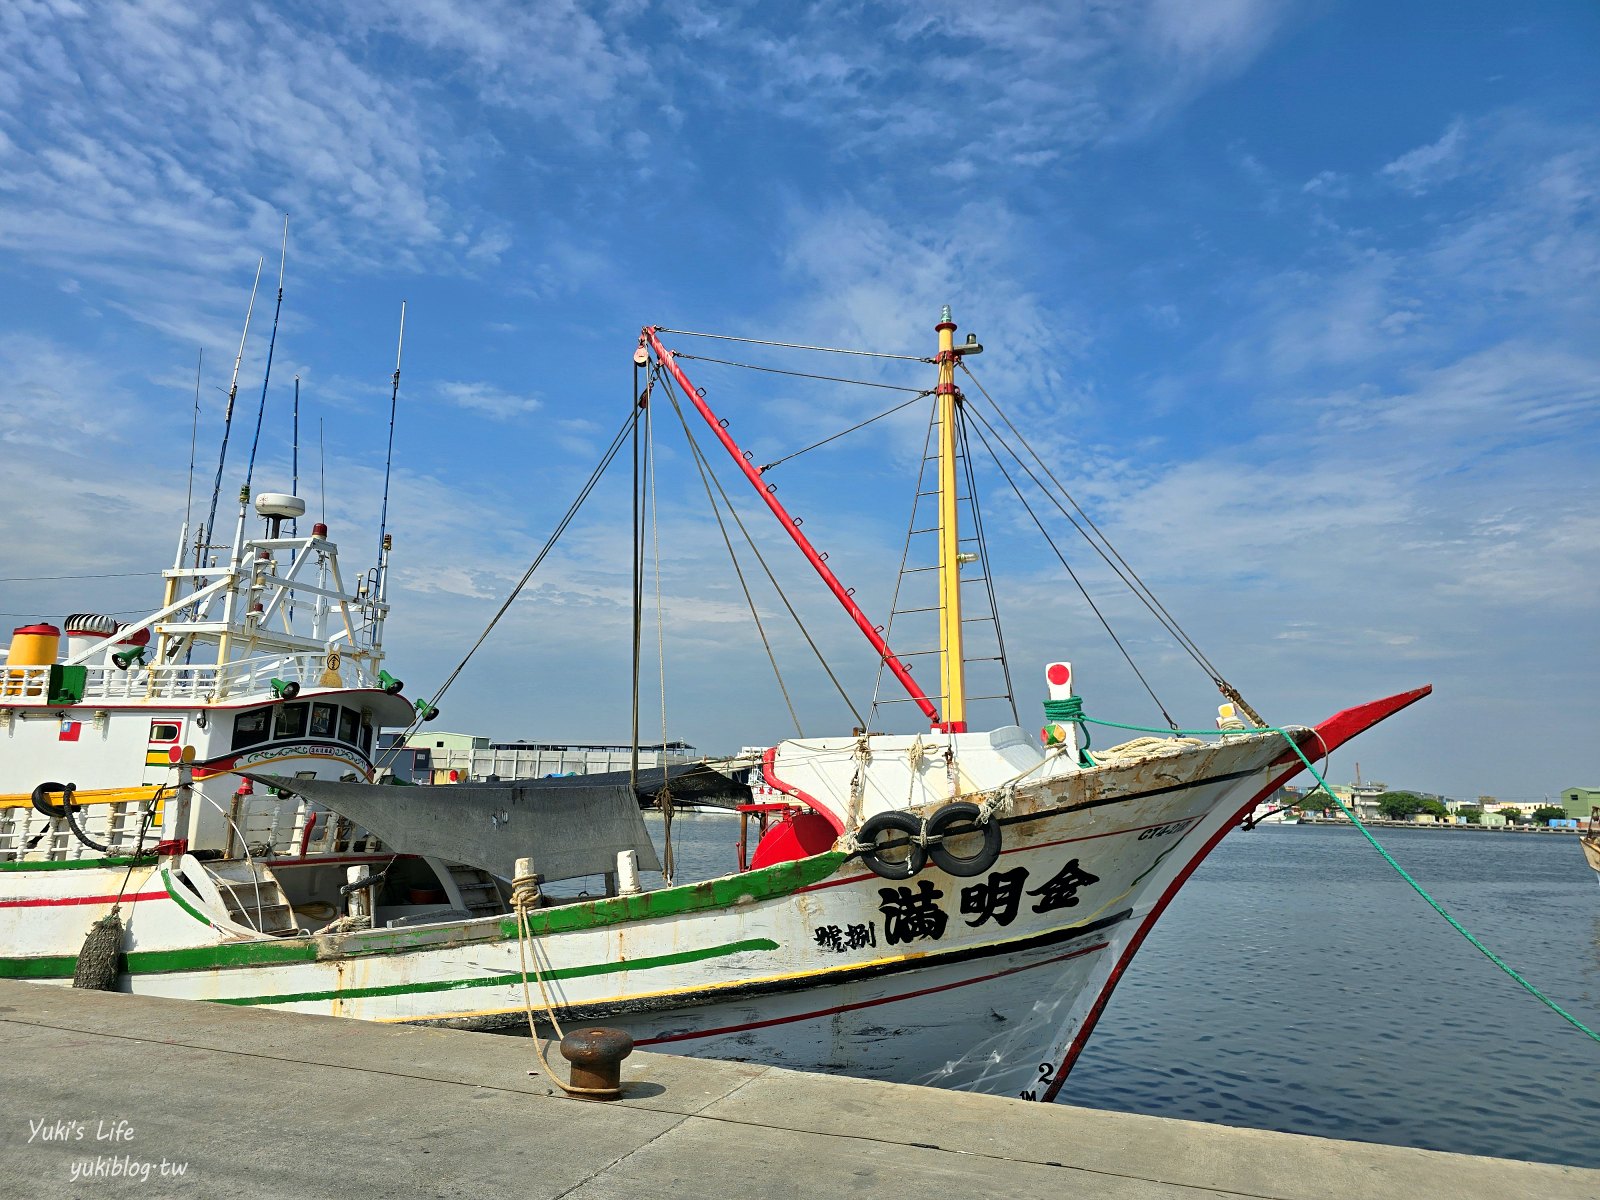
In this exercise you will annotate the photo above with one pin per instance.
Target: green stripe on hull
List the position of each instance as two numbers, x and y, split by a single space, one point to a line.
725 892
728 892
166 962
80 864
509 977
53 967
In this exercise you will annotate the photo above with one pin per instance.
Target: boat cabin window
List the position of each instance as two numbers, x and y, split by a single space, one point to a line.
324 720
291 721
283 722
250 727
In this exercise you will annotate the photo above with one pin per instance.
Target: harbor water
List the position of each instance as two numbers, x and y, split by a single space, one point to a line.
1298 984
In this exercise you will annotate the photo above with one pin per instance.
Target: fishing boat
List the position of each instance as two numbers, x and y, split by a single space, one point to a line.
950 906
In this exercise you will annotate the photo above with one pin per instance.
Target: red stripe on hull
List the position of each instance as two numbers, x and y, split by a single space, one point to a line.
66 900
842 1008
1329 736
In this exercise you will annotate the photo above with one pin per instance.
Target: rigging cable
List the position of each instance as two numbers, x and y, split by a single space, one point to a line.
561 526
1125 572
983 554
888 387
1184 641
716 511
664 797
834 437
905 554
771 578
1095 608
52 578
723 337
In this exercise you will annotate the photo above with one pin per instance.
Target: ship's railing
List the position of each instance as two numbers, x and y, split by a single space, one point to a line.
27 835
263 824
537 762
308 670
289 827
24 684
182 681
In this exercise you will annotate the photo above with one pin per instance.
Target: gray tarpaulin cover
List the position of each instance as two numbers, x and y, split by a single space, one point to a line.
568 830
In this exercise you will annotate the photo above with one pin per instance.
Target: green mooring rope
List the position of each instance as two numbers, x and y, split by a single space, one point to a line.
1366 833
1071 709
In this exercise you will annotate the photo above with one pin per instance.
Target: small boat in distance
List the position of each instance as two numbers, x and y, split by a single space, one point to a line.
949 906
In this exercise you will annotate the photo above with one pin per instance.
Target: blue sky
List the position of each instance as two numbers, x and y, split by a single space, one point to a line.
1300 299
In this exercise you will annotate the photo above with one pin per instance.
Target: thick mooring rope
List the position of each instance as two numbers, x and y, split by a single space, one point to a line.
525 897
1322 785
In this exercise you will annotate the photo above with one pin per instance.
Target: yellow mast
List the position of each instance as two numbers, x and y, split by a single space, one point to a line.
951 658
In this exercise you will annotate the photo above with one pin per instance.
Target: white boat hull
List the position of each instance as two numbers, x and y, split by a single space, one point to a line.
979 983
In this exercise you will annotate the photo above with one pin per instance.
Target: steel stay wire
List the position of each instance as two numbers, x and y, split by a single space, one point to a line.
983 551
835 437
1126 573
561 526
1149 602
724 337
900 575
672 389
724 362
1084 591
716 511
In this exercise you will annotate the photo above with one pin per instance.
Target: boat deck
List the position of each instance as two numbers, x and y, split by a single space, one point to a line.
274 1104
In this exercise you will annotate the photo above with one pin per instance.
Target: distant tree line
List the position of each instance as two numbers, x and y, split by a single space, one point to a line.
1402 806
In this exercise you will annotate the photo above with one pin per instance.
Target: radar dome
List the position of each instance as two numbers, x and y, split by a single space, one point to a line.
280 504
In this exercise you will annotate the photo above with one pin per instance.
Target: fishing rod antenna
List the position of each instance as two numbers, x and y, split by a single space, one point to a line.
194 434
272 343
227 419
388 460
322 463
294 455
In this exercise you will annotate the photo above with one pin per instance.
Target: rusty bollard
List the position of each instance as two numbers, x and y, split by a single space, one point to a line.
596 1056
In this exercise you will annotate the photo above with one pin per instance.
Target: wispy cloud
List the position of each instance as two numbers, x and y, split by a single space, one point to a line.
1426 166
487 399
1021 86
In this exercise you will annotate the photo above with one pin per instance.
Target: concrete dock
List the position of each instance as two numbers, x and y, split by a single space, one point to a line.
109 1094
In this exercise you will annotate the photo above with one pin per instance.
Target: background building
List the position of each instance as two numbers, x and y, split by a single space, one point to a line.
1579 801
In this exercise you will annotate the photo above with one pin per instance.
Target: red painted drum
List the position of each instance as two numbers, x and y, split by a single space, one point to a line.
798 835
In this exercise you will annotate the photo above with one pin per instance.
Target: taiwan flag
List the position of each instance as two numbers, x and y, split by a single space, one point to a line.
69 731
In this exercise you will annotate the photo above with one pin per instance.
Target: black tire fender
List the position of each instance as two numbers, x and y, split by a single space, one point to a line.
899 826
960 819
43 803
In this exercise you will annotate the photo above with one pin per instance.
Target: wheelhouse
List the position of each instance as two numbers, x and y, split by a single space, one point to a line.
303 720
